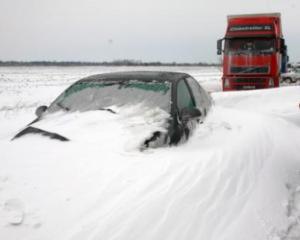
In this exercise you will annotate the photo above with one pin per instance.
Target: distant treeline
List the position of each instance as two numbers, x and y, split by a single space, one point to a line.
112 63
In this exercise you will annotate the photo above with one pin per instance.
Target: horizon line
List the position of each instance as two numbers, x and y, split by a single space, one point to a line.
103 63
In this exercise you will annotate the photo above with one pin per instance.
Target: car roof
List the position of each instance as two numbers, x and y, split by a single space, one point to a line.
138 75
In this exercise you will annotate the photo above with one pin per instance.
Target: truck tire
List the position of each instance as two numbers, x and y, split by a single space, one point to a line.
288 80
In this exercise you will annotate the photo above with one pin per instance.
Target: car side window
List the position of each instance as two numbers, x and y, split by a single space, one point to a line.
196 91
184 98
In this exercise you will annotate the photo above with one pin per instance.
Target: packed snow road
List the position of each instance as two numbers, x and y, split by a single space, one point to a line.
238 177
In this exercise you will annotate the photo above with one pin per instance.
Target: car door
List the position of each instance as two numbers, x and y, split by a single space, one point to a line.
202 99
297 74
185 99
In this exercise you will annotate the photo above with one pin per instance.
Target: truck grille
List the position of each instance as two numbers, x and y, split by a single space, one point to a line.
250 80
263 69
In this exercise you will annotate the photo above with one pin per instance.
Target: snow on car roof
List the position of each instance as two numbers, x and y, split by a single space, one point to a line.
140 75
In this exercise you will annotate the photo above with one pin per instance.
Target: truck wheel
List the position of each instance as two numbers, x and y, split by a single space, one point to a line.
288 80
293 80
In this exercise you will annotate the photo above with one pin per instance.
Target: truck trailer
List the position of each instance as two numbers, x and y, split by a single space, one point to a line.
254 52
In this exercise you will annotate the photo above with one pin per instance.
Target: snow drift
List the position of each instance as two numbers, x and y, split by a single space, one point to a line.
238 177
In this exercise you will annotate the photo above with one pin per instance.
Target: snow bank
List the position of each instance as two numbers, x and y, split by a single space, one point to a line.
238 177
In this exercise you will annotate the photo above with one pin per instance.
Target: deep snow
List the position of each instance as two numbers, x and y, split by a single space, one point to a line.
238 177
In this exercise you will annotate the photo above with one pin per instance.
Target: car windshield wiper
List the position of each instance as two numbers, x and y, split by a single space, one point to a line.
62 106
107 109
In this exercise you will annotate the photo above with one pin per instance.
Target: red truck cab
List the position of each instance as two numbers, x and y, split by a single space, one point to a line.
254 52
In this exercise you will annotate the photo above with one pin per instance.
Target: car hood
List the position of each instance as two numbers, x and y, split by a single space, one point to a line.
130 126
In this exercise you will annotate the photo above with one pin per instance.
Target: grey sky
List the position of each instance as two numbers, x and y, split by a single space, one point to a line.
156 30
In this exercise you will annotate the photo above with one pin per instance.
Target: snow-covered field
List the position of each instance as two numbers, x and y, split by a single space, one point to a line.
238 177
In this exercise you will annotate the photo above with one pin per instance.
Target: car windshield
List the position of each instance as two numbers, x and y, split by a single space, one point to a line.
249 45
104 94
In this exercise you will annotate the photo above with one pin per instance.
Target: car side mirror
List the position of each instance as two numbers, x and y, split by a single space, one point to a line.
219 46
283 47
190 113
40 110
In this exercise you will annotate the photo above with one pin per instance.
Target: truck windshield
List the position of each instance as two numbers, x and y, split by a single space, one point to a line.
249 45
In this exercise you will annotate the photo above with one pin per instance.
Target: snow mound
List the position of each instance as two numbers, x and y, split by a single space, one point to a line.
238 177
13 211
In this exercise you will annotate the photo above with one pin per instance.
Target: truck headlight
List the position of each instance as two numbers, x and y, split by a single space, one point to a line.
226 83
271 82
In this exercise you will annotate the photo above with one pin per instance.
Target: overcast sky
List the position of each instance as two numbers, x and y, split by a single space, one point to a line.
147 30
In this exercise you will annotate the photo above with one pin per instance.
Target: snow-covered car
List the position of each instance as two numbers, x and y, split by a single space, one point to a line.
292 76
174 102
